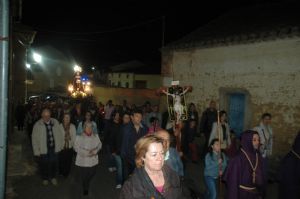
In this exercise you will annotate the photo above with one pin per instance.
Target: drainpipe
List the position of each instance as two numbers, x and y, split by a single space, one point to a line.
4 35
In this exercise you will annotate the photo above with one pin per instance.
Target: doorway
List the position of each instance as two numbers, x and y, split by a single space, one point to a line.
237 103
236 112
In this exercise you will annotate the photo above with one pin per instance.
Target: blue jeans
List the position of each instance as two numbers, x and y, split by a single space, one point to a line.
110 158
119 175
211 185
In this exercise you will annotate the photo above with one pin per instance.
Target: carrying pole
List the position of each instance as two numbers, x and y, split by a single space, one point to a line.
220 155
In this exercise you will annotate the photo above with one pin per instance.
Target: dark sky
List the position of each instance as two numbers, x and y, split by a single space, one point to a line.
101 34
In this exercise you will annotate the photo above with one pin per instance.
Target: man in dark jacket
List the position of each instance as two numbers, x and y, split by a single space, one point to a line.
111 131
132 133
209 116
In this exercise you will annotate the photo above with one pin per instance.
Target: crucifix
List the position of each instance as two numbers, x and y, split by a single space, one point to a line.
176 106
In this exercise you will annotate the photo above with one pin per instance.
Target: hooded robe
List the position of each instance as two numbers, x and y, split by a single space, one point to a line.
238 176
289 174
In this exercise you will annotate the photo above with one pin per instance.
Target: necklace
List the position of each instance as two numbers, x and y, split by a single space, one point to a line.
296 154
252 167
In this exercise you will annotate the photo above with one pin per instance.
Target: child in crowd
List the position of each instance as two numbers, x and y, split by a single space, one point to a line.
215 164
154 125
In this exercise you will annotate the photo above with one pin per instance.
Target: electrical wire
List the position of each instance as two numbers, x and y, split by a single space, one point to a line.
103 31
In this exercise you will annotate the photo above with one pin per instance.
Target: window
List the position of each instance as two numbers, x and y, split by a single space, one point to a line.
127 76
127 85
119 84
140 84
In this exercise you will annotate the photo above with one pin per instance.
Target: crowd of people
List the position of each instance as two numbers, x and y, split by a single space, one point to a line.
148 152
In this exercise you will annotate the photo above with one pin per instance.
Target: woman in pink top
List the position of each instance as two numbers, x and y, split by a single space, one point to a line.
154 125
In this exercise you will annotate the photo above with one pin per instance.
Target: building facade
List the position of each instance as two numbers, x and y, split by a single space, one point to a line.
131 80
248 73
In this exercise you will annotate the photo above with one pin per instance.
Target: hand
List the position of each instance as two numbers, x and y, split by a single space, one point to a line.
220 161
180 154
220 173
92 152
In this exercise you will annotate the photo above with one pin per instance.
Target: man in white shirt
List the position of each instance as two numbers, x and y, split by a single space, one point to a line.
266 140
265 134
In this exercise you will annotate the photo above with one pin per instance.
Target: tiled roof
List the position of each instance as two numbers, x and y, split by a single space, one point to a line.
245 25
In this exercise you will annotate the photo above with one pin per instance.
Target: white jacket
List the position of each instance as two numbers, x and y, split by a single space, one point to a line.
83 146
214 134
39 137
72 134
266 139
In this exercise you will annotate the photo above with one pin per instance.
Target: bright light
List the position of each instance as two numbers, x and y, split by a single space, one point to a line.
87 89
28 65
88 83
93 68
77 68
37 57
71 88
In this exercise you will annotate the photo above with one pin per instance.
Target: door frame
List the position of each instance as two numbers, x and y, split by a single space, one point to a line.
224 97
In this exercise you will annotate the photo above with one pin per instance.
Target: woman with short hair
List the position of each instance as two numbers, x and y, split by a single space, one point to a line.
87 146
151 179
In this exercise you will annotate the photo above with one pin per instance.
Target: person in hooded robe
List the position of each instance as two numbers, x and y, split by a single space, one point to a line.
244 176
289 174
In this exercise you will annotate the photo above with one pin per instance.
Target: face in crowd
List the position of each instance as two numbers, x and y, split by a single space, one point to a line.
192 124
126 119
66 119
223 117
164 135
212 105
154 157
216 146
267 120
46 115
255 141
136 118
155 108
88 116
117 117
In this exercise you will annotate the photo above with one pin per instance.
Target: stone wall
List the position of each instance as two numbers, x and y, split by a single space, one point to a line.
268 71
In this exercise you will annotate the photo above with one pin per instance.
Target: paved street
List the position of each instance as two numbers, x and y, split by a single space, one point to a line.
28 185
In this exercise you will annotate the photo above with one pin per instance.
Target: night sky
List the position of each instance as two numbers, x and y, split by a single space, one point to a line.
103 34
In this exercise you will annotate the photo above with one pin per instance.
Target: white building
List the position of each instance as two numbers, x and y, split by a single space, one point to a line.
132 75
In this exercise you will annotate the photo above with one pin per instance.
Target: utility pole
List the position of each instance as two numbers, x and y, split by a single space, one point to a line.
4 51
163 31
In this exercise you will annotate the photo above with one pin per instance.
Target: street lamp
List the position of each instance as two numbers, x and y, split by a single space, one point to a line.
37 57
77 68
28 66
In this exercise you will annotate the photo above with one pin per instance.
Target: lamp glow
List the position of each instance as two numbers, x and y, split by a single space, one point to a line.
37 57
77 68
